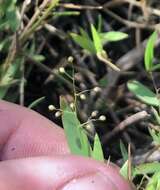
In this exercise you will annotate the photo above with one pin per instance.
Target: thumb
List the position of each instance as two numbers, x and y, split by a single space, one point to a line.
60 173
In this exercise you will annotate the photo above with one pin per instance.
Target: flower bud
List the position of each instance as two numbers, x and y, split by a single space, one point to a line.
51 107
102 118
61 70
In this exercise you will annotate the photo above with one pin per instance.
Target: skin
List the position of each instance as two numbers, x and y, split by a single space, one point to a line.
34 155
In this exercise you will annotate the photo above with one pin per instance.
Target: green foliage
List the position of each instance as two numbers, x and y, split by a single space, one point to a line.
76 135
112 36
147 168
142 169
95 45
156 115
36 102
8 15
124 170
96 40
66 13
150 168
84 42
99 27
149 52
123 151
154 182
143 93
8 77
155 136
97 152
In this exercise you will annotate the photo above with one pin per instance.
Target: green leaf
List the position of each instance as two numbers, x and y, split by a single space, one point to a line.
12 19
8 15
124 170
99 23
7 4
8 77
96 39
147 168
76 137
155 67
84 34
66 13
112 36
149 52
154 182
97 152
143 93
123 151
155 136
3 24
36 102
38 57
85 43
3 43
156 115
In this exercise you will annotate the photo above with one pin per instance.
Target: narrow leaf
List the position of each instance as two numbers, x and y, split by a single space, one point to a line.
99 23
96 40
154 182
149 52
112 36
36 102
8 77
97 152
147 168
85 43
84 33
143 93
76 137
156 115
123 151
124 170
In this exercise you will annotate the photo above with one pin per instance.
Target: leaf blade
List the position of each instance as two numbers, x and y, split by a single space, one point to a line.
97 152
143 93
149 52
112 36
96 39
84 43
76 138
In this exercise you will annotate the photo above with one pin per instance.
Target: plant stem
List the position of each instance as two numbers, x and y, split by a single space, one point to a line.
33 25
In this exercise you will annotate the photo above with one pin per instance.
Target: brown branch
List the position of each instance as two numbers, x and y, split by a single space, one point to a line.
150 10
80 7
122 126
132 24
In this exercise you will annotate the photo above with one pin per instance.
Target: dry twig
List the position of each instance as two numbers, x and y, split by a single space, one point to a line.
130 120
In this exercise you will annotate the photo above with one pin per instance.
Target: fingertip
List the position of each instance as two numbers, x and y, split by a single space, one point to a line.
25 133
60 173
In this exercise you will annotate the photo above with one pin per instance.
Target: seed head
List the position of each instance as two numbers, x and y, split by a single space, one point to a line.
102 118
70 59
97 89
61 70
94 113
82 97
71 105
51 107
58 114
